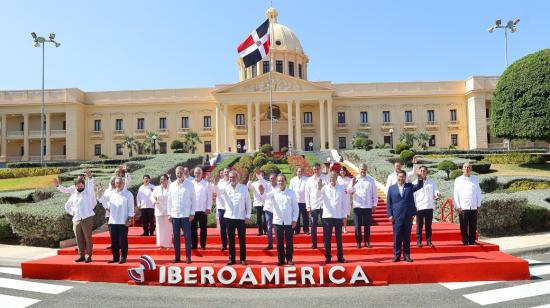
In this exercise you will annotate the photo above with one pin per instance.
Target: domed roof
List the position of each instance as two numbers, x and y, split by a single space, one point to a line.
284 38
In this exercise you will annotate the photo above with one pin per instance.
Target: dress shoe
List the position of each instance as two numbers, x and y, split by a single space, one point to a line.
230 262
358 245
224 248
367 245
418 244
112 261
88 259
306 233
176 261
280 263
81 259
108 247
122 261
194 248
396 259
289 262
430 244
269 247
327 261
203 248
342 260
144 234
188 261
313 246
408 259
243 262
258 234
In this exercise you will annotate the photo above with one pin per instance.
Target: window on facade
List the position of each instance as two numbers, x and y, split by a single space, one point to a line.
184 122
141 123
454 139
386 117
64 125
291 68
432 141
341 117
64 149
408 116
97 125
22 150
387 139
163 124
239 119
308 118
44 125
363 117
22 126
279 66
162 147
44 150
254 69
207 122
208 146
300 71
487 113
341 142
431 116
97 149
119 149
265 67
453 115
119 124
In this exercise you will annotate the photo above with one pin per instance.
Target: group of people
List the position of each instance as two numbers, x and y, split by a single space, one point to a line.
183 206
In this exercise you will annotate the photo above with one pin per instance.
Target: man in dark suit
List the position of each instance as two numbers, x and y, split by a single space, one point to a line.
401 210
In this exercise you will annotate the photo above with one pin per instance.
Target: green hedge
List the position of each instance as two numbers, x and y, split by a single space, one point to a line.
5 229
514 158
11 173
535 218
488 184
481 167
33 164
226 163
377 161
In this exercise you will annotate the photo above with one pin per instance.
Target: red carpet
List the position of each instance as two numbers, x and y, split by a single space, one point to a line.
448 261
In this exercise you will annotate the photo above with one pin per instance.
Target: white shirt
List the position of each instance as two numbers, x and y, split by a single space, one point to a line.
105 199
392 178
143 196
298 185
424 197
268 203
467 193
284 206
237 201
127 180
255 187
121 207
160 200
181 199
220 205
89 188
401 189
364 192
203 195
79 206
333 200
313 200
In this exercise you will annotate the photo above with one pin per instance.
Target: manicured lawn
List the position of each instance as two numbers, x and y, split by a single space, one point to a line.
517 170
27 183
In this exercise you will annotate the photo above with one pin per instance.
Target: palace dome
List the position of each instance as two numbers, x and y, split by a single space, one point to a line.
284 37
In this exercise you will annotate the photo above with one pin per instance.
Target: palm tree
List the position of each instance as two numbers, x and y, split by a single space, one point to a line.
422 139
190 142
407 138
149 144
130 143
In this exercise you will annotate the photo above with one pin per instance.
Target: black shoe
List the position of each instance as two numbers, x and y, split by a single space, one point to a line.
418 244
188 261
258 234
176 261
81 259
306 233
108 247
112 261
396 259
230 262
408 259
224 248
342 260
313 246
122 261
144 234
88 259
203 248
429 243
194 248
269 247
327 261
289 262
367 245
243 262
280 263
358 245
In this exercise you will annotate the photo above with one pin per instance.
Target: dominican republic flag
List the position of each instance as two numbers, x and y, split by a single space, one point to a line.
256 46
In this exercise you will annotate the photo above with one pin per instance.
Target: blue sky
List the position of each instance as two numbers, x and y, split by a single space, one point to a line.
116 45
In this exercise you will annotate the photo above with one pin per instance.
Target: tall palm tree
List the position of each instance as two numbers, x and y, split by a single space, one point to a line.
423 139
191 140
149 144
130 143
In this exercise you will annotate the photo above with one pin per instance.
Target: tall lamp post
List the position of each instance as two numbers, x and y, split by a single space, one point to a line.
154 144
510 26
41 41
391 138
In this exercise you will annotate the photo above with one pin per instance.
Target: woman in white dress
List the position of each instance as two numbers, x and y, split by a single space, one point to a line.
164 227
344 181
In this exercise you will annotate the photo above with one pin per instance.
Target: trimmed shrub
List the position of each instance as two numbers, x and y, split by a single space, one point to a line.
266 149
226 163
260 160
5 229
523 185
501 215
455 173
481 167
33 164
176 145
406 156
271 168
488 184
284 149
514 158
400 147
447 166
377 161
27 172
535 218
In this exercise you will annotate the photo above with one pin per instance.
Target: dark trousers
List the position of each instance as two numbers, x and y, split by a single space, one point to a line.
148 221
402 237
328 225
468 226
238 224
362 218
315 216
177 225
260 220
303 216
424 217
119 241
200 219
284 233
223 227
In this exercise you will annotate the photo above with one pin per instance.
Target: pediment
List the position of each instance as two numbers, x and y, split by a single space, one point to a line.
281 83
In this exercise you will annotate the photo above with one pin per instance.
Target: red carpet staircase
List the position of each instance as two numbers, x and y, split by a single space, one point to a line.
448 261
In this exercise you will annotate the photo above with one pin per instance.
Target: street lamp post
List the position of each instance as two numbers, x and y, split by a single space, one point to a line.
41 41
154 144
510 26
391 138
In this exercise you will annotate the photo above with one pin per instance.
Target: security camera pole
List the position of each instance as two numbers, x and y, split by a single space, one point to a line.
39 40
510 26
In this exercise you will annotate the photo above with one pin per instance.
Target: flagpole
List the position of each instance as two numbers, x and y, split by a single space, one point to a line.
270 83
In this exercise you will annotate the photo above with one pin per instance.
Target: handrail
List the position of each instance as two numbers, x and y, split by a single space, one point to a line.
450 214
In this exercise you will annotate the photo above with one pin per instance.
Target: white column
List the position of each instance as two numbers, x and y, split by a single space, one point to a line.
4 138
48 155
477 124
258 137
250 141
290 132
225 129
218 129
26 155
322 123
330 126
298 139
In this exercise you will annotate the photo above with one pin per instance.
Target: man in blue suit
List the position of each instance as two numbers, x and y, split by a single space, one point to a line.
401 210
